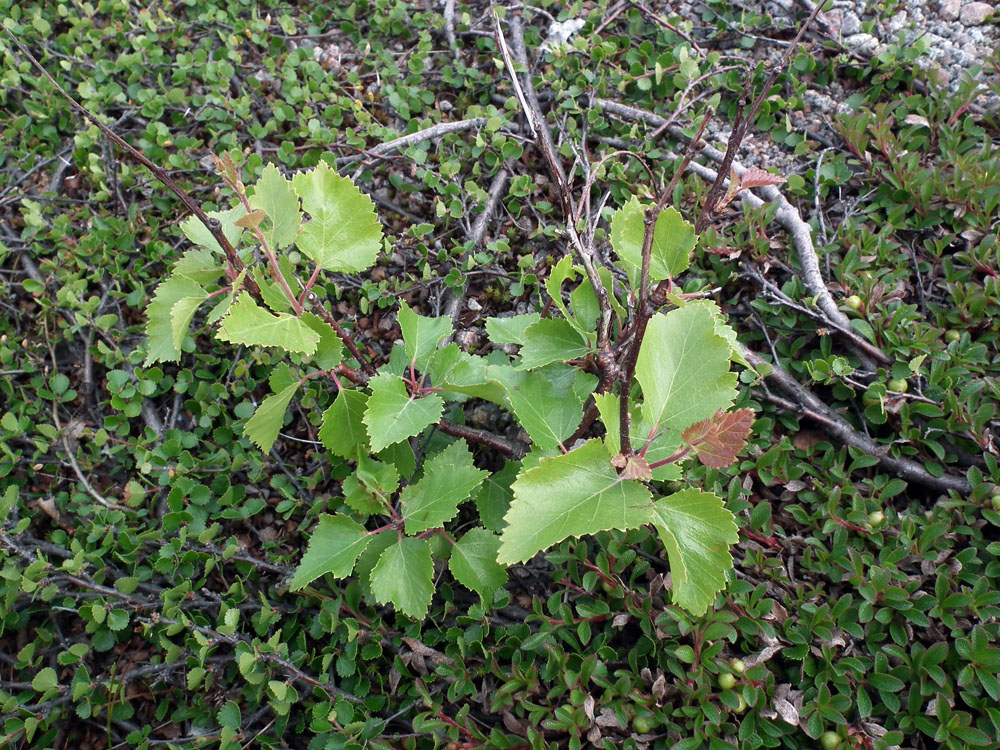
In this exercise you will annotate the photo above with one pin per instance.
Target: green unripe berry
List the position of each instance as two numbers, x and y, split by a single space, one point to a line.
853 302
742 704
829 741
995 501
726 681
951 335
898 385
641 724
876 517
737 666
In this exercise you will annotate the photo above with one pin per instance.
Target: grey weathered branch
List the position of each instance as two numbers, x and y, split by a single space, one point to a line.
836 426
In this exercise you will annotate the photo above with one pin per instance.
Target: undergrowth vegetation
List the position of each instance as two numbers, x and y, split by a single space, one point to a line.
435 390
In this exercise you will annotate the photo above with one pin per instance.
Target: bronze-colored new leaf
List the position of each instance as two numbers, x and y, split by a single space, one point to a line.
252 220
719 439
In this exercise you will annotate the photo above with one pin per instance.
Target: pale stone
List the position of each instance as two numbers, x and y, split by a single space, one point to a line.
974 14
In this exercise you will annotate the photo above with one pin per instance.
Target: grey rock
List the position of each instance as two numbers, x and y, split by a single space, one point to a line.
948 9
863 43
851 25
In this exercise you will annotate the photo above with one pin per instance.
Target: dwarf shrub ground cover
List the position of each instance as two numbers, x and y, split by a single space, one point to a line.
150 546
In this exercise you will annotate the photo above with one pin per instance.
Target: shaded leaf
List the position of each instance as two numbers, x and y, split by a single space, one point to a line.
343 431
548 414
263 427
403 575
159 317
474 564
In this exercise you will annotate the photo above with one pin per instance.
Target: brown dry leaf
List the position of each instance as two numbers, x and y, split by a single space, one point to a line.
804 440
48 506
428 652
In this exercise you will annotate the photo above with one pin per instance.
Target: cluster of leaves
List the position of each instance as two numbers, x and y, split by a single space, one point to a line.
861 611
682 368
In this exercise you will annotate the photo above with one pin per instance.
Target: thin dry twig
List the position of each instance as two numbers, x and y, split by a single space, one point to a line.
786 216
606 361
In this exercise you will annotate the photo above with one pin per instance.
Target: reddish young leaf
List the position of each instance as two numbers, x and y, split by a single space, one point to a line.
252 220
719 439
755 178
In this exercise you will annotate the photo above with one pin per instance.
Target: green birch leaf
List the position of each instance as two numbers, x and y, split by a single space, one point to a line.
462 373
343 233
270 291
263 427
333 548
551 340
393 415
449 478
342 431
474 564
697 530
494 496
247 323
722 328
683 368
273 195
570 495
547 413
159 317
366 562
673 241
403 575
181 314
198 233
560 273
199 265
511 330
421 335
330 349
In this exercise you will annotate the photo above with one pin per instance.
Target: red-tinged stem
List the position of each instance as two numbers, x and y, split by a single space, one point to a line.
850 526
309 284
770 541
670 459
272 259
341 333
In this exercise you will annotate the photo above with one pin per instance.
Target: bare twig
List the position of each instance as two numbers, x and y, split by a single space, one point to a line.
742 122
513 449
606 361
786 216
